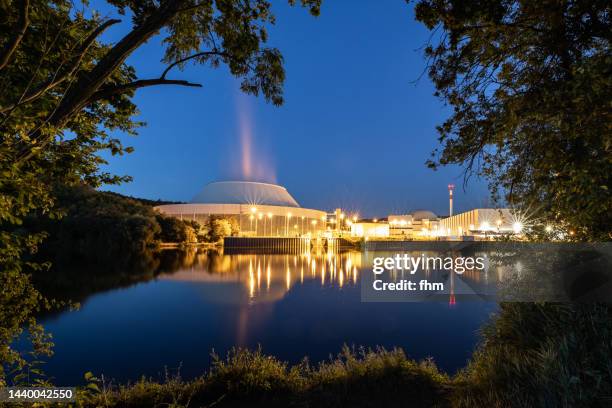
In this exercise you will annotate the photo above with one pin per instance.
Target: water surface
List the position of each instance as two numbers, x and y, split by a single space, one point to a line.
292 305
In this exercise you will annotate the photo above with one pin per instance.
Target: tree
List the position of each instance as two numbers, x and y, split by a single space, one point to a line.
529 83
64 90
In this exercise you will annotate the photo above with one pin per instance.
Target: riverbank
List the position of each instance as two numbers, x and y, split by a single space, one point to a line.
250 378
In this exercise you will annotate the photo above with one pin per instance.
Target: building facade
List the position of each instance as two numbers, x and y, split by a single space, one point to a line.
258 209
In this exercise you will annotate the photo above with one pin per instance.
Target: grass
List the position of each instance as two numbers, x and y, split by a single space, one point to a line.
362 378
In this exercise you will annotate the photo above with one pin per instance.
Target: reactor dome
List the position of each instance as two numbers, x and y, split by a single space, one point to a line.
419 215
244 192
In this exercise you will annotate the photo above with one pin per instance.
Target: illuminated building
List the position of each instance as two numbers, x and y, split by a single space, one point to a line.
369 229
259 209
419 224
481 222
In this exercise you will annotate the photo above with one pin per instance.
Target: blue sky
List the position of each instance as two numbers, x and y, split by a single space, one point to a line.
355 130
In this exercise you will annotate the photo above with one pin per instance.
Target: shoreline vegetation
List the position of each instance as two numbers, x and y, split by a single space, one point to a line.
99 226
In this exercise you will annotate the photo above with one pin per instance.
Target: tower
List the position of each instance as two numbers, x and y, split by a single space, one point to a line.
451 187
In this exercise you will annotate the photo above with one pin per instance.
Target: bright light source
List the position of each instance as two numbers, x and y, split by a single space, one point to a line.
253 209
517 227
484 226
548 228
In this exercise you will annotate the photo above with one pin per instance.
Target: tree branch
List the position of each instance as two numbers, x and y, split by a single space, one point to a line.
55 80
89 84
142 83
20 29
183 60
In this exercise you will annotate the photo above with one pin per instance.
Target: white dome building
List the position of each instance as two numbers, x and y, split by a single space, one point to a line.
260 209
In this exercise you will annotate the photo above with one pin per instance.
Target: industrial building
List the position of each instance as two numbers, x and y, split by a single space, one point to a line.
418 224
481 223
259 209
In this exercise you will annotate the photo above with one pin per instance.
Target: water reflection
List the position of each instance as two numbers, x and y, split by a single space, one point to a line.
265 278
134 323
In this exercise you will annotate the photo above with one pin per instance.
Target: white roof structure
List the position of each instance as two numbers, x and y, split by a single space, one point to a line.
419 215
244 192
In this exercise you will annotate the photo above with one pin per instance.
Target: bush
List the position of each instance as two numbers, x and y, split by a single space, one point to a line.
252 379
541 355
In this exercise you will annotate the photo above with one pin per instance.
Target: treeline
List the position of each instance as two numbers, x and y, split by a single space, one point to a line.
102 226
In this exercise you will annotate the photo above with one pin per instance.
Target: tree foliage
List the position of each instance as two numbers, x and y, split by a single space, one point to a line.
529 83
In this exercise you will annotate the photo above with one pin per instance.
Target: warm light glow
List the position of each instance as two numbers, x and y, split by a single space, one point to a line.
314 222
471 226
354 218
260 216
269 215
289 215
251 217
517 227
342 216
484 226
253 209
499 222
375 219
548 228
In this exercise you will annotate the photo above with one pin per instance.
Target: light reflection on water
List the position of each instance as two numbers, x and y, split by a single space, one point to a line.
293 305
268 277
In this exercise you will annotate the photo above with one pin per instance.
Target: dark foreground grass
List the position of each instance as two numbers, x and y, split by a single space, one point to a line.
246 378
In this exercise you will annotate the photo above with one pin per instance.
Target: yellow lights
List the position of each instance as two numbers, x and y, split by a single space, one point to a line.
303 217
260 216
517 227
270 215
403 223
548 228
354 218
253 210
375 220
289 215
313 222
251 217
342 215
498 222
485 226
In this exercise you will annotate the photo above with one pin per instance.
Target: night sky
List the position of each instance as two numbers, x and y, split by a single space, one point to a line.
355 130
